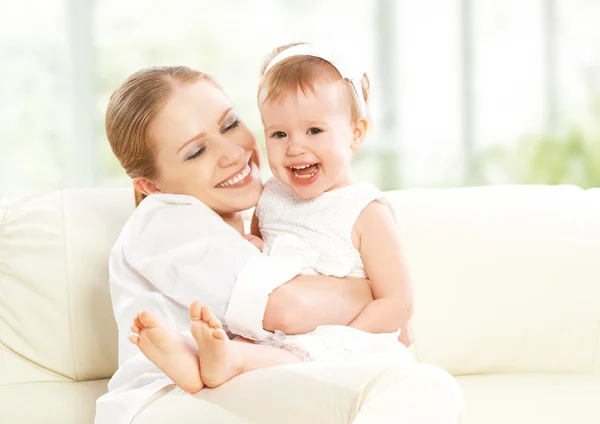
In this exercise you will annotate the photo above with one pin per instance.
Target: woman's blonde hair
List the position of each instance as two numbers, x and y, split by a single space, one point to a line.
301 72
132 107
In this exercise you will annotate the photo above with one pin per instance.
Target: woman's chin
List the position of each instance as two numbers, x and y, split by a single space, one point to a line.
241 199
251 198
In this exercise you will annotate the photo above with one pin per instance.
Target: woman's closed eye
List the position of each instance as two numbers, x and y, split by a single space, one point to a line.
232 126
195 154
314 131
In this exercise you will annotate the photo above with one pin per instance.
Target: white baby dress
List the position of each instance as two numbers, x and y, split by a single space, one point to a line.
320 231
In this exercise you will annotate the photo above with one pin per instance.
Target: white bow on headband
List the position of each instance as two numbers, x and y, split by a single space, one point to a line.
347 70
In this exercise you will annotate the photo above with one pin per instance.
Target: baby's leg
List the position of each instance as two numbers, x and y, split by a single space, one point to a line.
222 359
171 352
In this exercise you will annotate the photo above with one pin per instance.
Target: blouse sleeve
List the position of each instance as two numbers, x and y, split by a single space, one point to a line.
187 252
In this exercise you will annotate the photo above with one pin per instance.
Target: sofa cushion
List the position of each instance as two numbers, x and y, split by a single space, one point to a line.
506 278
64 403
531 398
56 319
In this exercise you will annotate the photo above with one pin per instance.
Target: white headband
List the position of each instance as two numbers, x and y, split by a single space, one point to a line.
348 71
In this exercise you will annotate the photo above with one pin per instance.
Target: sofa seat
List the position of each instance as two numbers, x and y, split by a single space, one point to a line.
50 402
531 398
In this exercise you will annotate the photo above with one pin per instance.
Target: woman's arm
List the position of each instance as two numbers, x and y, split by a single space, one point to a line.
383 257
188 253
308 301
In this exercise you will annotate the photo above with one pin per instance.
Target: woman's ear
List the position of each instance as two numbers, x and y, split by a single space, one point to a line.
145 186
359 134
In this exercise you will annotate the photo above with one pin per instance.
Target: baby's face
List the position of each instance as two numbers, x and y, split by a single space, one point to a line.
310 139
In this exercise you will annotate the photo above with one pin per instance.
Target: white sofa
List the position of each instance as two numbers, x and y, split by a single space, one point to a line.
507 299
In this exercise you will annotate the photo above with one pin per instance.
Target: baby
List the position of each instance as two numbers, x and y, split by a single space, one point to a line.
314 108
315 115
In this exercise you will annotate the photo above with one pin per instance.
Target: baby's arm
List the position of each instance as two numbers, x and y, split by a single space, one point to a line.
254 227
382 254
254 237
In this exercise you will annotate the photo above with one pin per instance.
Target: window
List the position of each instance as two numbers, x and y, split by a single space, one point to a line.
470 92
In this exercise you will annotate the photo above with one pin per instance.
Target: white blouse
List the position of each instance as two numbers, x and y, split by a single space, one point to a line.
172 251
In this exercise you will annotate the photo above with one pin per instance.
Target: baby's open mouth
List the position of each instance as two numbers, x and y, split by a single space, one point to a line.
305 171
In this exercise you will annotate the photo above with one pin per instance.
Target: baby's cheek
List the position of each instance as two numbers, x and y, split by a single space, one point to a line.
340 160
276 167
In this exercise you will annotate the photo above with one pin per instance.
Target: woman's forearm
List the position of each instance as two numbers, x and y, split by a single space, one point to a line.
308 301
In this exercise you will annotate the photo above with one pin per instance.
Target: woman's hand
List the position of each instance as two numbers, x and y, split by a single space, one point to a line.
307 301
256 241
407 336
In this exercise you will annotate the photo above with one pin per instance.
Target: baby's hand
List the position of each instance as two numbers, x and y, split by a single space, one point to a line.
256 241
406 337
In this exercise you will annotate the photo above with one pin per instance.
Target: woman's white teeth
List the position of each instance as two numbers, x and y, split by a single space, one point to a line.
236 178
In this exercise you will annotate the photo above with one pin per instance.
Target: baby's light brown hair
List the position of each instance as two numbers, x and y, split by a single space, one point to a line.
301 72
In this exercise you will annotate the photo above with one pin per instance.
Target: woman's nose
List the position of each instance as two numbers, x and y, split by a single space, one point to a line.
232 153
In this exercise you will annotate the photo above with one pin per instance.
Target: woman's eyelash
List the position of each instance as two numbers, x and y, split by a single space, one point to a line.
197 153
202 149
232 126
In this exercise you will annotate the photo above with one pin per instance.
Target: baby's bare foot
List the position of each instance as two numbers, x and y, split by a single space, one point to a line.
171 352
218 361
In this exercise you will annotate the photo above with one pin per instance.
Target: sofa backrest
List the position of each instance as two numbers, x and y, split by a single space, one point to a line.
507 279
56 319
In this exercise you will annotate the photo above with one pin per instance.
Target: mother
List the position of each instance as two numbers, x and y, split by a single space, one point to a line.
177 136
